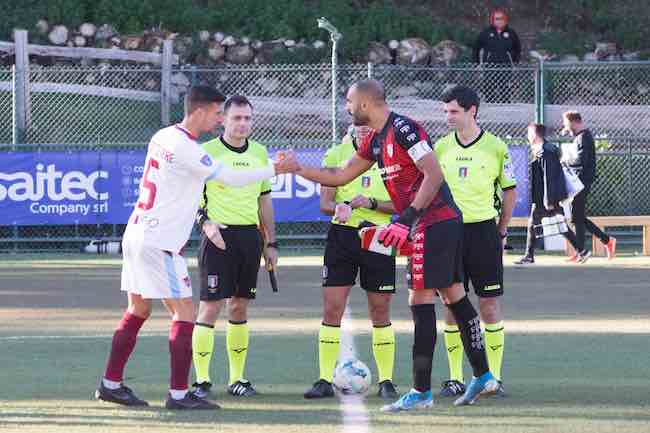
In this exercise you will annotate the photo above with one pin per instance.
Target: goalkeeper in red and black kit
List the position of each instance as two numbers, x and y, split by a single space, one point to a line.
429 216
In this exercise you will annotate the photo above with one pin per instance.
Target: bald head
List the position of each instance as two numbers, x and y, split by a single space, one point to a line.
366 102
371 89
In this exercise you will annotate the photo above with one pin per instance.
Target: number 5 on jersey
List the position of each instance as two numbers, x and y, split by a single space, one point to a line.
148 185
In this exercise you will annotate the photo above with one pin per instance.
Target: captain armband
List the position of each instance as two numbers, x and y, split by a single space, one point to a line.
419 150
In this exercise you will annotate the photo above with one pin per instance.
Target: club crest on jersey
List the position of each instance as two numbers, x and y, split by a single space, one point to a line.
187 281
462 172
206 160
365 181
212 282
389 150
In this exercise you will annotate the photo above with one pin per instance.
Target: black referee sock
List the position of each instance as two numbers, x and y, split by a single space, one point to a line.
424 341
470 332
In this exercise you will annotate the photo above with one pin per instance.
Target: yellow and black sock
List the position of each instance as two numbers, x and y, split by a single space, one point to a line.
329 341
202 345
494 344
237 344
454 346
383 347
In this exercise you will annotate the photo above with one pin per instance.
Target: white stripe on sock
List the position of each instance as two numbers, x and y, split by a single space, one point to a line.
111 384
178 394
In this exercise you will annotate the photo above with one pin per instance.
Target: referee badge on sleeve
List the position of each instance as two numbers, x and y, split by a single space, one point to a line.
212 281
508 170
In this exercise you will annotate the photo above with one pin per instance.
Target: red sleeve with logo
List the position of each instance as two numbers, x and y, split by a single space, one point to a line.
364 150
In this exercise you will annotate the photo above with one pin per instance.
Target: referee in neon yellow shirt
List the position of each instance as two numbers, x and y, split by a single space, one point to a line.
475 163
365 198
231 273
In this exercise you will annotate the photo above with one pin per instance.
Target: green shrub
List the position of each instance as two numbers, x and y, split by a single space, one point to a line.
574 25
259 19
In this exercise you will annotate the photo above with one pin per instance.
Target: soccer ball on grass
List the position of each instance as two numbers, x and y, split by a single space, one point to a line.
352 377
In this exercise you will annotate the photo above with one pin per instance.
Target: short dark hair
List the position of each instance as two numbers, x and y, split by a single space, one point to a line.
540 130
572 116
200 96
465 96
372 88
237 100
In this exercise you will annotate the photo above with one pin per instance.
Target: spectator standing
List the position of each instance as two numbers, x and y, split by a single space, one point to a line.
548 187
498 47
580 155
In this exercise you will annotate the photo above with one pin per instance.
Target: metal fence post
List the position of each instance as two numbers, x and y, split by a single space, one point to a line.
370 71
165 82
537 96
193 76
542 92
20 80
335 36
630 173
334 90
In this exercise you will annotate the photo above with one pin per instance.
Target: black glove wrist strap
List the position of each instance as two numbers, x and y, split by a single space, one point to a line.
408 217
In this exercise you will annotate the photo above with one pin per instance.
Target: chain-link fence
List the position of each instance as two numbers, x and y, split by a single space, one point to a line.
6 105
93 106
507 95
614 99
111 112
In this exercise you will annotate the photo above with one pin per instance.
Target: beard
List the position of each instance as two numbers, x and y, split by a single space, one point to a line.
359 119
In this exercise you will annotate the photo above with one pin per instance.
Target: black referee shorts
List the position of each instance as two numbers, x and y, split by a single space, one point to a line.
233 272
483 258
344 258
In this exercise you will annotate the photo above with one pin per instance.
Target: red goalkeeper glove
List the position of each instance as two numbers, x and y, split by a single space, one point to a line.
397 234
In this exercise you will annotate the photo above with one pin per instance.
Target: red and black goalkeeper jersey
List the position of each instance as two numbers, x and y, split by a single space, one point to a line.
390 149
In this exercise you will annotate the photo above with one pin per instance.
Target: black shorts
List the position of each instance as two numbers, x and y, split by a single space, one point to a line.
436 262
483 258
344 258
232 272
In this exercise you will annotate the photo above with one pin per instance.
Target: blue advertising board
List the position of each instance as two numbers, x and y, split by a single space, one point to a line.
89 187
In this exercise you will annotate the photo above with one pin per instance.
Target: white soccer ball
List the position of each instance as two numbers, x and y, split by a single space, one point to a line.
352 377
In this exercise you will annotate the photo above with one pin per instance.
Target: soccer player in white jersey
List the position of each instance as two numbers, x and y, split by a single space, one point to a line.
176 169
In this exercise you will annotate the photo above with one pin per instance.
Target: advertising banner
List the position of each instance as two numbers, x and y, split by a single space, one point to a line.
91 187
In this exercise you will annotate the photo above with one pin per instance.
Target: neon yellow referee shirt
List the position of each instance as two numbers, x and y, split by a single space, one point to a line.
369 184
474 171
235 205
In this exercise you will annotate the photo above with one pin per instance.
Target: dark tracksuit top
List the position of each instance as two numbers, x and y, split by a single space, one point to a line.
503 47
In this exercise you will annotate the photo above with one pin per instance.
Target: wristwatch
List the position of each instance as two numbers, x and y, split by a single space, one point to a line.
272 245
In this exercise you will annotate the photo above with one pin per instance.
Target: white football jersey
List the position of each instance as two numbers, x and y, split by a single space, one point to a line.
175 170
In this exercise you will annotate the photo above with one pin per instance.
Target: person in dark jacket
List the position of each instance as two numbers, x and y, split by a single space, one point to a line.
580 155
498 43
548 187
498 49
